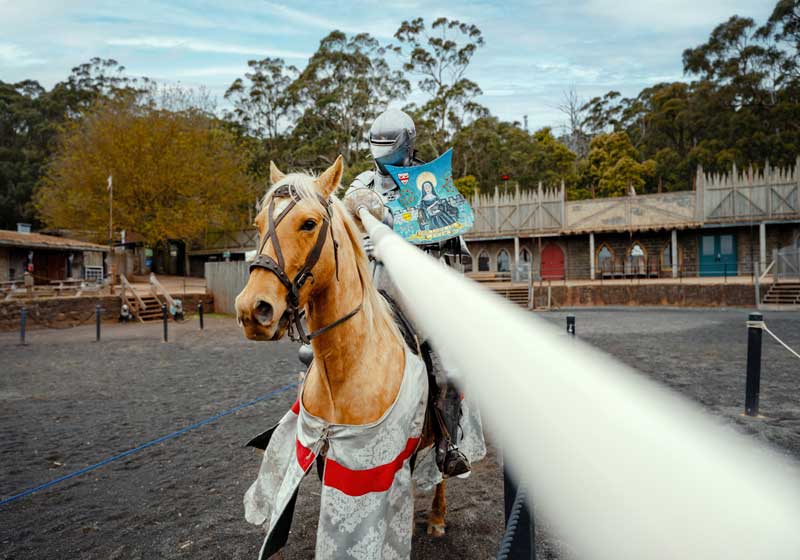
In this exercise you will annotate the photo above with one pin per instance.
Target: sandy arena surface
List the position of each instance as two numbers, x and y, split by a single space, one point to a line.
67 402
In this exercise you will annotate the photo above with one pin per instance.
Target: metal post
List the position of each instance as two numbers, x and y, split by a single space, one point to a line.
200 314
23 322
164 314
753 384
523 546
97 321
571 324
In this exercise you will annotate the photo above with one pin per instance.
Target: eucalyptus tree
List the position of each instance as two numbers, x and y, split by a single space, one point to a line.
345 85
440 56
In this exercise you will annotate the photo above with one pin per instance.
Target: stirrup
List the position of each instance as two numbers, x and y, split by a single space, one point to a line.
455 463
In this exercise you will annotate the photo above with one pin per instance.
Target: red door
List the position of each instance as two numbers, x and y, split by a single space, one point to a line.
552 262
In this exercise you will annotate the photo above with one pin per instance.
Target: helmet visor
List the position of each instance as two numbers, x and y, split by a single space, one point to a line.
390 152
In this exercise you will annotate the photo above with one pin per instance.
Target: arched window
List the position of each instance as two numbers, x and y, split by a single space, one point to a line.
483 261
605 260
503 261
525 256
637 260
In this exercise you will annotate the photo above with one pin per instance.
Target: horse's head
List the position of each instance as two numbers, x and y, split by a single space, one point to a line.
297 252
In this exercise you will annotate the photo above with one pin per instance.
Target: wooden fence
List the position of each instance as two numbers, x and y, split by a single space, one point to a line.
225 280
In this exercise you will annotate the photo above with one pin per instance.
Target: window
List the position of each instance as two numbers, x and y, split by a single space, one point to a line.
605 258
503 261
726 244
483 261
466 263
708 245
666 256
525 256
637 260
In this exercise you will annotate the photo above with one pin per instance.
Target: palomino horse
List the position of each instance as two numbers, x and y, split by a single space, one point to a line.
311 259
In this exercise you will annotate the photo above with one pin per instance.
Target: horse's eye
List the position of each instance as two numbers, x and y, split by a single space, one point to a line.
308 225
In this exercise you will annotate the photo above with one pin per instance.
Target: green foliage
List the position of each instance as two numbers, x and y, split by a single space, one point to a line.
489 148
613 166
467 185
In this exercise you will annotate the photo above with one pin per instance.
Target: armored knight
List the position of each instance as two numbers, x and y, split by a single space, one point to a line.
392 138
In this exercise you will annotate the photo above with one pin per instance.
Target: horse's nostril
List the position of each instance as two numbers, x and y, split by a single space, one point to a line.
263 312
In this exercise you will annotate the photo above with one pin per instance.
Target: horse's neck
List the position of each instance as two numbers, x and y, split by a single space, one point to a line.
358 365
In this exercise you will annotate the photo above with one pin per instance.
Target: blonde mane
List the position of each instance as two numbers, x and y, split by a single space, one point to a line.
375 308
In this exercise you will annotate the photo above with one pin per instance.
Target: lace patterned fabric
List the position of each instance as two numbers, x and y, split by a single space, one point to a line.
367 503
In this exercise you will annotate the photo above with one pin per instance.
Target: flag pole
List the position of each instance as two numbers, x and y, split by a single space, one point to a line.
111 234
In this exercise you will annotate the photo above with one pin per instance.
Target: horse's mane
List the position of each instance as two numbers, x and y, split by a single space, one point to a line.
375 309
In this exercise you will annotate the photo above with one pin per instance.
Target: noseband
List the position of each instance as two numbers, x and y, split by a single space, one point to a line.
278 268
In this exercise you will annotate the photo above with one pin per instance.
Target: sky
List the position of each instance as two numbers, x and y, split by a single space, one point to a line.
534 52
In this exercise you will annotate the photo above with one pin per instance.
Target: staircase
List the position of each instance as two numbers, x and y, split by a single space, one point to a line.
783 294
514 293
151 311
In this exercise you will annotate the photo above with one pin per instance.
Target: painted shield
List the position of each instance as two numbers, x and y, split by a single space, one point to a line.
430 208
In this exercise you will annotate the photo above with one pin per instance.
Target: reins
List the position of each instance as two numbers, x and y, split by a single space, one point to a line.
278 268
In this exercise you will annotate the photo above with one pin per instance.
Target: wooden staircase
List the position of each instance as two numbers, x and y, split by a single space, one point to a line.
151 310
513 293
784 294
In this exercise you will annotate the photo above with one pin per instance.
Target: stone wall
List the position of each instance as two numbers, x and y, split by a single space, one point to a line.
683 295
61 312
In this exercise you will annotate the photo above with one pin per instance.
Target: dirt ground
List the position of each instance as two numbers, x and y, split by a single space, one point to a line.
67 402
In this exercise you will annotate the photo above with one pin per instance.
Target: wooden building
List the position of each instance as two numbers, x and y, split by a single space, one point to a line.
730 225
49 257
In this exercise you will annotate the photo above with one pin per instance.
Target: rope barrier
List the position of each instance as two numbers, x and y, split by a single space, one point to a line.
513 522
39 321
145 445
763 326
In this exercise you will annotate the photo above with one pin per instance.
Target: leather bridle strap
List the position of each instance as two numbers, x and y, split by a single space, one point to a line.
278 267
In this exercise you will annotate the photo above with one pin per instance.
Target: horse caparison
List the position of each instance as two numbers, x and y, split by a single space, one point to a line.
358 362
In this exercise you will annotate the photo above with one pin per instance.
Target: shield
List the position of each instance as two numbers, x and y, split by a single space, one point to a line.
429 209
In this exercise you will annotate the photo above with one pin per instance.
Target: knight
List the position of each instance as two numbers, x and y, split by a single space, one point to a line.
392 140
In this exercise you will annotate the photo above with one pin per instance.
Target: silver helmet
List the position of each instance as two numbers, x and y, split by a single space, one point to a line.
392 138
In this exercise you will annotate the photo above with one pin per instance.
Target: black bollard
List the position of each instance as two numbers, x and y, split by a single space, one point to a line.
753 384
522 545
200 314
23 322
164 314
571 324
97 320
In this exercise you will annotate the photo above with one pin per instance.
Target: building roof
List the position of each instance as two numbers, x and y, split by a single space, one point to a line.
10 238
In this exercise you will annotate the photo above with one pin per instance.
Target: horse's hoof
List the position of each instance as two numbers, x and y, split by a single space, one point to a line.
436 529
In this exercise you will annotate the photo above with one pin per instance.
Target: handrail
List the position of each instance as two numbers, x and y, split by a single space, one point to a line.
766 271
619 463
159 287
127 286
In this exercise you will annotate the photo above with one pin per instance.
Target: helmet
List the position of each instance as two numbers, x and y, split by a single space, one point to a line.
391 139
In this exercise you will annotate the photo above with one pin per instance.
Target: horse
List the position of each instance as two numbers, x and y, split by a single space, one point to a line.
311 262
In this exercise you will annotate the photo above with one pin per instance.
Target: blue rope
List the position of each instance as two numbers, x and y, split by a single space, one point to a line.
150 443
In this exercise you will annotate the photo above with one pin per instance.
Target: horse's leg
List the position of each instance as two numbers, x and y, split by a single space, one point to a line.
438 511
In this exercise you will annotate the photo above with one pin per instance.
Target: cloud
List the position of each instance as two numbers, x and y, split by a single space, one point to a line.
381 29
659 14
199 45
14 56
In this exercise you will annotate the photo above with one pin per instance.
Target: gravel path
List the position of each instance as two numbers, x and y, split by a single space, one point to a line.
67 402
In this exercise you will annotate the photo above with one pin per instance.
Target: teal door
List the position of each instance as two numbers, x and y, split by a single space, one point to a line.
718 255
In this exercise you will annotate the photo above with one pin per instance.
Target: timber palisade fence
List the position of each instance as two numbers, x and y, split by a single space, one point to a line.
735 197
225 280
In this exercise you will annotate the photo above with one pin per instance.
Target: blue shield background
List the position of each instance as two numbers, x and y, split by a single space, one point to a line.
430 208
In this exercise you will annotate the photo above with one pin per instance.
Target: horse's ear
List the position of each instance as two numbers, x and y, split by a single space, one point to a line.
329 181
275 174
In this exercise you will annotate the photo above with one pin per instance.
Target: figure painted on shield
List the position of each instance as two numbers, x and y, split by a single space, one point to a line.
434 212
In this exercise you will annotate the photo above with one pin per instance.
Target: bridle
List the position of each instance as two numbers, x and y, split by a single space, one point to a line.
278 268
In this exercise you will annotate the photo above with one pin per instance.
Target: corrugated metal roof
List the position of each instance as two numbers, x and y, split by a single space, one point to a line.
37 240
